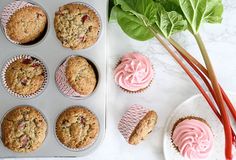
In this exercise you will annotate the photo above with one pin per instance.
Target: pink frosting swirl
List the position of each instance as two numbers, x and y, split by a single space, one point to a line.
193 138
134 72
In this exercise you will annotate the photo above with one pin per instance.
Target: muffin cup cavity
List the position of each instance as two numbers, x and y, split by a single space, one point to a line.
16 107
100 24
131 119
63 85
15 58
12 8
76 149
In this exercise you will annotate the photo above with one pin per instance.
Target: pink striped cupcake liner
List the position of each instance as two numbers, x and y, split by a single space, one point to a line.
9 10
36 60
131 119
62 82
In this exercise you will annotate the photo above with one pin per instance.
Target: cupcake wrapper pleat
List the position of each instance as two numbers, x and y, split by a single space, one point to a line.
131 119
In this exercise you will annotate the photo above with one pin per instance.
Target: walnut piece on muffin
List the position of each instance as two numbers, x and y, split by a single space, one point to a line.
77 128
25 76
77 26
23 129
81 75
26 24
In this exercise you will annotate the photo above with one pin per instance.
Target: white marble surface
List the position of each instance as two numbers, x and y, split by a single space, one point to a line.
170 87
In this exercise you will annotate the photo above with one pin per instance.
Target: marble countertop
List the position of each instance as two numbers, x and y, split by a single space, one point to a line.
170 86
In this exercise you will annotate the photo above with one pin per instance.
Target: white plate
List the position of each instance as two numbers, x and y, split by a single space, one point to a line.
197 106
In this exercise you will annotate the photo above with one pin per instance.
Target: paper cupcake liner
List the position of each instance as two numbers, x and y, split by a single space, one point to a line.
76 149
97 14
131 119
138 91
62 82
13 59
41 113
8 11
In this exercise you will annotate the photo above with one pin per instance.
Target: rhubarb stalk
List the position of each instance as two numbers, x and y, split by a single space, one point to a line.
182 51
218 94
178 60
197 70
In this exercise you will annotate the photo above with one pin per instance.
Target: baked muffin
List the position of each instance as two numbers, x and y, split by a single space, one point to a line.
25 76
26 24
134 72
192 137
81 75
77 128
77 26
76 77
23 129
137 123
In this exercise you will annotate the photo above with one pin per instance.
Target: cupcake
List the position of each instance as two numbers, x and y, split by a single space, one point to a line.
77 25
76 77
137 123
193 138
24 76
23 22
134 72
23 129
77 128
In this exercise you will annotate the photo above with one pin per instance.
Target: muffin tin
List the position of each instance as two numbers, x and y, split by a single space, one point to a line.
51 102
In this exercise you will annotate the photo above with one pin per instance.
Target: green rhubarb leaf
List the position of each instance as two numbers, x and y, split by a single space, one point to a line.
214 11
131 25
197 12
145 10
111 14
169 23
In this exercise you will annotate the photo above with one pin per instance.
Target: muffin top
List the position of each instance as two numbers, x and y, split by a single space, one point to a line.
81 75
25 76
77 128
134 72
26 24
77 26
144 127
193 138
23 129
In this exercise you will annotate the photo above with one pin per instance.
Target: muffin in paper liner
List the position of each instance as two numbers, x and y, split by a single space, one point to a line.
9 10
131 120
99 19
36 61
140 90
62 82
82 148
17 107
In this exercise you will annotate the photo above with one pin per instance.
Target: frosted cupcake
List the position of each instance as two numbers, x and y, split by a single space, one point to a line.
193 138
134 72
137 123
